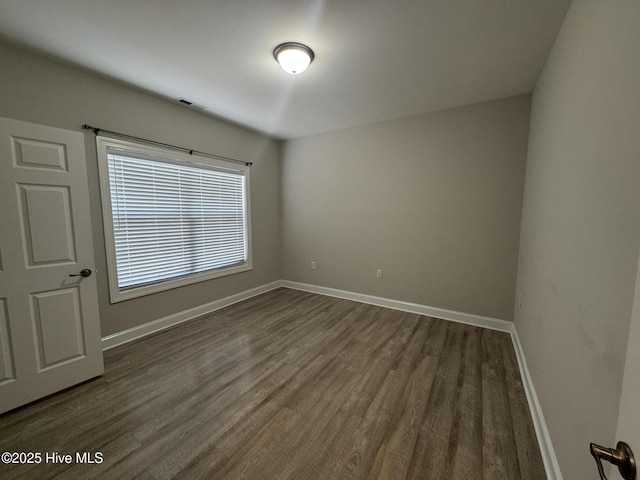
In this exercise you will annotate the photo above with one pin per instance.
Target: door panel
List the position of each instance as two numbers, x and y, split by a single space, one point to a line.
45 212
49 325
57 323
6 357
38 154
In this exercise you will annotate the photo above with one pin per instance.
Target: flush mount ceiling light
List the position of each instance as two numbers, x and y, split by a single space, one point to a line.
293 57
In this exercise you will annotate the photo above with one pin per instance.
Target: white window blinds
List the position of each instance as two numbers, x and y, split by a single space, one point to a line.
171 219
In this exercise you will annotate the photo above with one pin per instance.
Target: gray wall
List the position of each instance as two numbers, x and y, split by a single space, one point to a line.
581 226
434 200
36 89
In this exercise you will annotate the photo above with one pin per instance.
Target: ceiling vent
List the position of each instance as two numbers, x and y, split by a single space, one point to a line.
186 102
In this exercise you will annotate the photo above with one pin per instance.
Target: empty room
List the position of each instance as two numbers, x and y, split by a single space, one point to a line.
319 240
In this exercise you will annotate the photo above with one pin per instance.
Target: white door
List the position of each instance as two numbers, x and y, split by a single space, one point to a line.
49 324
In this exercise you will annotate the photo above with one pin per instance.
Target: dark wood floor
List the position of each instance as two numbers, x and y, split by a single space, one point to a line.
292 385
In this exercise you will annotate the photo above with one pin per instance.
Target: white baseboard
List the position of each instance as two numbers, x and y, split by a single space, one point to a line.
549 458
460 317
544 440
154 326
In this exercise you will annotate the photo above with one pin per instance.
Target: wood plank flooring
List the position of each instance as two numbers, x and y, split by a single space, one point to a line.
292 385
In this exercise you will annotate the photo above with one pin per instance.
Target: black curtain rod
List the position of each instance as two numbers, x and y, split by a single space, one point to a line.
175 147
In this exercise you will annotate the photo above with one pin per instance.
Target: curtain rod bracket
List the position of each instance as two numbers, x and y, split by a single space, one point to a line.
89 127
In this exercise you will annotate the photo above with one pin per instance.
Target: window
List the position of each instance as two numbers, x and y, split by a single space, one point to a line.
170 219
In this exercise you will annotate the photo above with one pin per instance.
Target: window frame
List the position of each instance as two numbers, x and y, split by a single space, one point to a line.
106 145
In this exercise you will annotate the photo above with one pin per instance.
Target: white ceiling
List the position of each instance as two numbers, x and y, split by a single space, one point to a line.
375 59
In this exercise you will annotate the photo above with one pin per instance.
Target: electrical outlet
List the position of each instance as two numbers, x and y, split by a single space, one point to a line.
313 265
379 273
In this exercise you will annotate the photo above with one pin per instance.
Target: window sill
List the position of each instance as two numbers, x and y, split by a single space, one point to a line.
117 295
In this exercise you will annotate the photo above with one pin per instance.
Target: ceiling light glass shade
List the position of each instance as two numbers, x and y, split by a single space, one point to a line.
293 57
